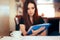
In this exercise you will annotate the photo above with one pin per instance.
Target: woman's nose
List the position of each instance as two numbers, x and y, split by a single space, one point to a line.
30 10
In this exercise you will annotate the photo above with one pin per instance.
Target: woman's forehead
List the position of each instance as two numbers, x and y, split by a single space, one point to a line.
30 5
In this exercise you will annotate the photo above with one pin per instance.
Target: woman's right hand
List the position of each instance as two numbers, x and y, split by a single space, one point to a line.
35 32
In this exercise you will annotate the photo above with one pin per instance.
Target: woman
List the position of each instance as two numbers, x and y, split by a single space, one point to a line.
30 17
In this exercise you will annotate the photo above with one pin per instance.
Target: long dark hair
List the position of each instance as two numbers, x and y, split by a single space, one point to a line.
25 14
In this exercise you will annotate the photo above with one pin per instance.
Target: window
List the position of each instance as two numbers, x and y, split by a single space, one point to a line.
46 8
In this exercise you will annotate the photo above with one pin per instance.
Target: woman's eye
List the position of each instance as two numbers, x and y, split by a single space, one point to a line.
32 7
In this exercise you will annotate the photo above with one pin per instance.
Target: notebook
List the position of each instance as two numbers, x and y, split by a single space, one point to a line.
36 27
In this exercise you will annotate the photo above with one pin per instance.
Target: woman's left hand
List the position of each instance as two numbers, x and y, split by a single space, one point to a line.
37 31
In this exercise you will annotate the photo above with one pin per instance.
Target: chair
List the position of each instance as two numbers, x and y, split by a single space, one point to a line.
17 19
54 28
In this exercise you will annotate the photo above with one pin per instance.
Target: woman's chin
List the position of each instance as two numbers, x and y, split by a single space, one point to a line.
31 15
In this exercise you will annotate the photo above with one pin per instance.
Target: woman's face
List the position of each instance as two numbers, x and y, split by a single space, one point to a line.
31 9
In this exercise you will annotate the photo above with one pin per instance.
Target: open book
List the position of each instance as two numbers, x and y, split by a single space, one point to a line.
36 27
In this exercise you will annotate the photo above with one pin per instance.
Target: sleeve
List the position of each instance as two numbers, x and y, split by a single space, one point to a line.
21 21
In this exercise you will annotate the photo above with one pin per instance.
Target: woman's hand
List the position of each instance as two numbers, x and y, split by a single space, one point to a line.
22 28
35 32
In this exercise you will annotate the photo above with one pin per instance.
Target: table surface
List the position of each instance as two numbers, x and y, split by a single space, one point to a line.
31 38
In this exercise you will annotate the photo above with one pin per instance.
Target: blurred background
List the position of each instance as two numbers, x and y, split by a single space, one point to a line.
49 9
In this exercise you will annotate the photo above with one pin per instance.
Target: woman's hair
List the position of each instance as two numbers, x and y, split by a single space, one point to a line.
25 13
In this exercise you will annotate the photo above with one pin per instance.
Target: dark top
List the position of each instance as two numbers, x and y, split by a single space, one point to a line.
40 21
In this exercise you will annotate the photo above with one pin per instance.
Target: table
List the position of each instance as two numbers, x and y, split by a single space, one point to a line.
31 38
